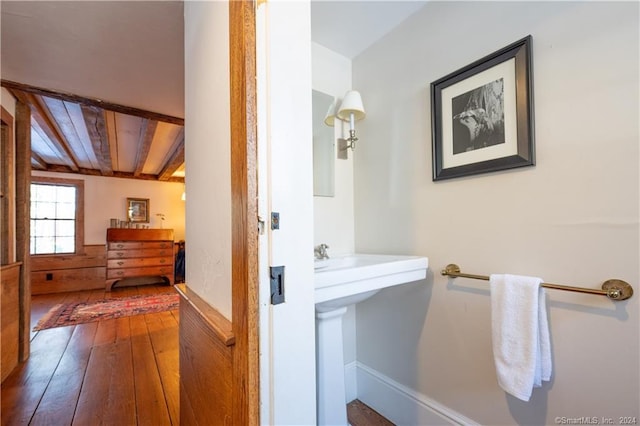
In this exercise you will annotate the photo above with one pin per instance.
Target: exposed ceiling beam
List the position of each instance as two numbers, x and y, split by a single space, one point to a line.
92 102
58 142
38 160
176 159
147 131
43 116
124 175
97 129
61 114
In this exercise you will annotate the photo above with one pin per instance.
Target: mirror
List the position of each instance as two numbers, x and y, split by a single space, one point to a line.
323 147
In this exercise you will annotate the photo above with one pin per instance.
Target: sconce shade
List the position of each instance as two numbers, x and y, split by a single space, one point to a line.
330 118
351 104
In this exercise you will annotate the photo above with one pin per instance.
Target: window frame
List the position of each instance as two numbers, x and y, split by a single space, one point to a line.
79 185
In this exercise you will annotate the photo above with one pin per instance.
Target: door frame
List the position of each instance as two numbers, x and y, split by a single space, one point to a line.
244 212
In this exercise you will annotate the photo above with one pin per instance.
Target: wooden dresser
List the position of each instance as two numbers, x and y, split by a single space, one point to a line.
135 253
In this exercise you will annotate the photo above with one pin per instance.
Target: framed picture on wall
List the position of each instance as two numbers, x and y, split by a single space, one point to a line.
138 210
482 115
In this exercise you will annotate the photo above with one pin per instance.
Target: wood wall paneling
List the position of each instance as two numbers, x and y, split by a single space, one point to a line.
206 359
73 272
9 318
64 280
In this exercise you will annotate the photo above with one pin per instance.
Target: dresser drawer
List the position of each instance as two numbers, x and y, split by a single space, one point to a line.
143 252
140 272
140 262
136 245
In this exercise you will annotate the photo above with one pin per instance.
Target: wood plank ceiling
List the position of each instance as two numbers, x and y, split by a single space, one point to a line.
92 73
71 134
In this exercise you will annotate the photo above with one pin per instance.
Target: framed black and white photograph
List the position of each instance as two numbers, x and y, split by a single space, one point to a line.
482 115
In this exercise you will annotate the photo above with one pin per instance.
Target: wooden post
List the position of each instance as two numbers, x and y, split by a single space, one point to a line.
23 204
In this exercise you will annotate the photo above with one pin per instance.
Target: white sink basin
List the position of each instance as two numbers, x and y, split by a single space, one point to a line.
346 280
340 282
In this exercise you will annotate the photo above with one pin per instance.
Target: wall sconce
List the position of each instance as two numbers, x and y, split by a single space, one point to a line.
330 118
351 110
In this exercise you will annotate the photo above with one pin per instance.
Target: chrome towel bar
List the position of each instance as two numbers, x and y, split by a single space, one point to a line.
613 289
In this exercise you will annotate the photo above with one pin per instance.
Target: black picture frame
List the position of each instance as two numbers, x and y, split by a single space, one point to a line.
482 115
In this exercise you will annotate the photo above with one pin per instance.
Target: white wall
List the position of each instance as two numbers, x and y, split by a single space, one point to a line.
573 218
208 152
333 216
7 101
106 198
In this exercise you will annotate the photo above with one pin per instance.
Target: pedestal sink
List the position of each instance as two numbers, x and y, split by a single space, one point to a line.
340 282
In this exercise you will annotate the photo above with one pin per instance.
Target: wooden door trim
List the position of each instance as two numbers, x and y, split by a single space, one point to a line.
244 202
8 167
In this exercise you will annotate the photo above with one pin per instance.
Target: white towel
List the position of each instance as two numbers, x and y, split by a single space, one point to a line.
520 332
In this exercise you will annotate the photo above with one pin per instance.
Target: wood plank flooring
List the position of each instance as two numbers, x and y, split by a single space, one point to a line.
119 372
116 372
360 414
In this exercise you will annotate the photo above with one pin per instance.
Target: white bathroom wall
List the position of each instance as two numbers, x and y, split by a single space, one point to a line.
572 219
106 198
333 216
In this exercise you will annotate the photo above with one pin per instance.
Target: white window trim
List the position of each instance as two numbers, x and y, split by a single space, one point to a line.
79 185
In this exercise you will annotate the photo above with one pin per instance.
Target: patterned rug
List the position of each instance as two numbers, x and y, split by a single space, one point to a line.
79 313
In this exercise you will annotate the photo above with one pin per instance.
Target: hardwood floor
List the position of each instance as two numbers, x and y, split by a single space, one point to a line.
119 372
360 414
115 372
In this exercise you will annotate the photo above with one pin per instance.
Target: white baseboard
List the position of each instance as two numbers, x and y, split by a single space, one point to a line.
351 381
400 404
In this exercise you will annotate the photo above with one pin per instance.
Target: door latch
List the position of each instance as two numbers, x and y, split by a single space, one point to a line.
277 284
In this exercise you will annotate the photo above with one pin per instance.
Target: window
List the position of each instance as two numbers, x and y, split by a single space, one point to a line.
57 221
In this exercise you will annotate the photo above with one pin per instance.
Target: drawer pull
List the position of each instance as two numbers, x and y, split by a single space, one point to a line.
163 245
119 245
162 261
162 252
120 273
119 254
120 263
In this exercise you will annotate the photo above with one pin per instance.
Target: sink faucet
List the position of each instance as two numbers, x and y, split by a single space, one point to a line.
320 252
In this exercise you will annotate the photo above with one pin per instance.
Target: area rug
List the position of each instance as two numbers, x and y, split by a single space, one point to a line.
79 313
